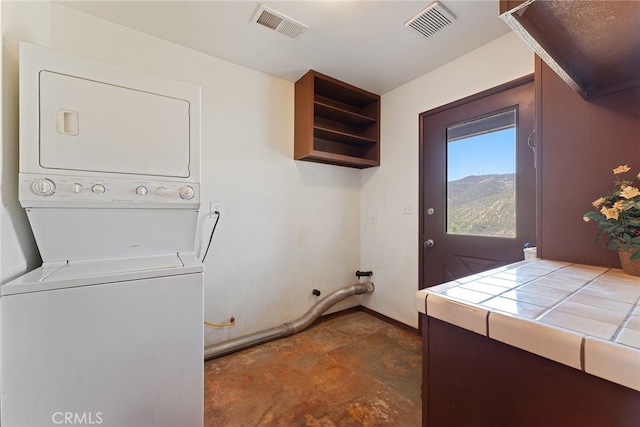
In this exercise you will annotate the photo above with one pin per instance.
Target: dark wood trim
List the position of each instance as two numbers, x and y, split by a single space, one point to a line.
389 320
421 208
375 314
340 313
492 91
538 153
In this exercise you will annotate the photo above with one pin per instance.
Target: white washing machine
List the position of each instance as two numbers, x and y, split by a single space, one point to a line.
109 330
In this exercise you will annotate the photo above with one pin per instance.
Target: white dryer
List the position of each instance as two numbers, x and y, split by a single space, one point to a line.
109 330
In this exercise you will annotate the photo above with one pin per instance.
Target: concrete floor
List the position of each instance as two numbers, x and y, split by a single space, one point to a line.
350 370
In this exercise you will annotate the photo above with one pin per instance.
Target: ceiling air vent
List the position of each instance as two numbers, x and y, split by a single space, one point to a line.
431 20
278 22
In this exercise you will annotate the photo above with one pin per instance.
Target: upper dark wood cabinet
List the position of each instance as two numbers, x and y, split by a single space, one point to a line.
336 123
593 45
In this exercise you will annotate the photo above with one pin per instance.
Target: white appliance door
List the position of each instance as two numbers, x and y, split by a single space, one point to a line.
91 126
73 234
120 354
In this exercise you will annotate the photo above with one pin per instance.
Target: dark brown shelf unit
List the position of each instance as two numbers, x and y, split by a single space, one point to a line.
336 123
331 112
338 136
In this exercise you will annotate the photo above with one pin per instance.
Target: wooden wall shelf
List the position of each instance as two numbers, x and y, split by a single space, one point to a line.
336 123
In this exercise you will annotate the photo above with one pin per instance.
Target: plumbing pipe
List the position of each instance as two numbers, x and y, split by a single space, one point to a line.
289 328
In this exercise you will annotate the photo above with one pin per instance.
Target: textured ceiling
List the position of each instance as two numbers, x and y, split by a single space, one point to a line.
364 43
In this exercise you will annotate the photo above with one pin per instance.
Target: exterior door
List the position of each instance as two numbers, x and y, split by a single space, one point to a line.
477 183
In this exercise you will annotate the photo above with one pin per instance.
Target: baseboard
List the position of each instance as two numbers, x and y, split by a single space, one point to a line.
335 314
375 314
389 320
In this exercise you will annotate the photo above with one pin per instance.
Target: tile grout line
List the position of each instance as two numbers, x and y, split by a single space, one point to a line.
528 282
626 320
565 298
490 296
487 323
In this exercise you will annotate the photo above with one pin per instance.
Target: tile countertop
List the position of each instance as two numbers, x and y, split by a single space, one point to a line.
582 316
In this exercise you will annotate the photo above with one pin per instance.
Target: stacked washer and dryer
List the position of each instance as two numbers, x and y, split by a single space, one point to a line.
109 330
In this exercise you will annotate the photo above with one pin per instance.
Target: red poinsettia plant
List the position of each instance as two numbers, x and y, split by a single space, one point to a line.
618 213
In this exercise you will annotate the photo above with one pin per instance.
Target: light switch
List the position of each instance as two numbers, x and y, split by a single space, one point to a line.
373 217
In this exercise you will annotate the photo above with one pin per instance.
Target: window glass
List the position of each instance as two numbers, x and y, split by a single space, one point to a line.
481 186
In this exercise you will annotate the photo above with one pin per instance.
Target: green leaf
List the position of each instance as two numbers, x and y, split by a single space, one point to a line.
594 216
635 255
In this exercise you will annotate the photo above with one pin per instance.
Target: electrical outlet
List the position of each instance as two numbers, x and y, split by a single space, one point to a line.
408 209
373 217
213 207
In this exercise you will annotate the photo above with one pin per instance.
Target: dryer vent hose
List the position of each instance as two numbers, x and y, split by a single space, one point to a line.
289 328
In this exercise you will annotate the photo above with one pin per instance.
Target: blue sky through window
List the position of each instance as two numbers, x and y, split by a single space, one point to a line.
489 153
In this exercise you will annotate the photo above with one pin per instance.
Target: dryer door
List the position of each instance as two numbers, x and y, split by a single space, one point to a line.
91 126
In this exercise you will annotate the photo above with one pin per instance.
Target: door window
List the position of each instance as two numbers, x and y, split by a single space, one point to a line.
481 179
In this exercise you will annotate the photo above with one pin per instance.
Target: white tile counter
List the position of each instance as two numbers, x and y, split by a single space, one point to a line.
581 316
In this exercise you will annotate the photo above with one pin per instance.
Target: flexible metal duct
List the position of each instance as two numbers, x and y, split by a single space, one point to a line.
289 328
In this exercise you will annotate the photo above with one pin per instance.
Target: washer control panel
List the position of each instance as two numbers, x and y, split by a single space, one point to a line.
43 187
63 189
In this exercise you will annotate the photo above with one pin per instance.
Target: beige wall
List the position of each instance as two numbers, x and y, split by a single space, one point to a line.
390 247
287 226
29 21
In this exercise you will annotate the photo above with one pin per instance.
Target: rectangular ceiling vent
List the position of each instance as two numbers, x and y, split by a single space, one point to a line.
278 22
431 20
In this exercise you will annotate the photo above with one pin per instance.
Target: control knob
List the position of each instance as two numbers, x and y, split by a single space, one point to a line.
43 187
187 193
141 190
76 188
161 191
98 188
